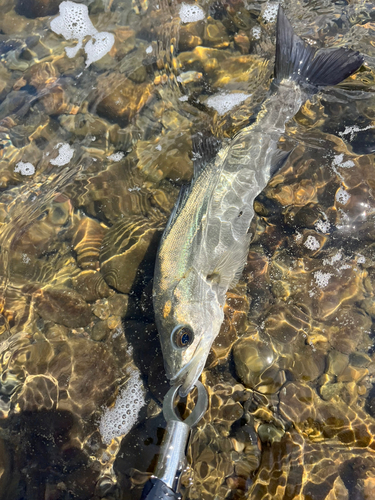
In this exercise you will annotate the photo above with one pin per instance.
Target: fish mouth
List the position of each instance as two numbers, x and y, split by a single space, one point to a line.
190 373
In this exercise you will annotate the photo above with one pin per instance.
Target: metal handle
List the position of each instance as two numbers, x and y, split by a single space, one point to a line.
172 455
155 489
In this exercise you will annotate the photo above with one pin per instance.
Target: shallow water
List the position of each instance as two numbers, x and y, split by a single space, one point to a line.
92 156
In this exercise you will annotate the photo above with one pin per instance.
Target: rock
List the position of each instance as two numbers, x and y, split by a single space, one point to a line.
37 8
242 42
167 156
123 99
99 331
91 286
256 365
118 304
297 402
215 34
87 240
268 433
39 392
62 306
127 244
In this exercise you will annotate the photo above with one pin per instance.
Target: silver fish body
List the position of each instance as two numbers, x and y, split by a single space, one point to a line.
204 247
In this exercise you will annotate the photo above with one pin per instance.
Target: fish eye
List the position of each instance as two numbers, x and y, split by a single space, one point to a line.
182 337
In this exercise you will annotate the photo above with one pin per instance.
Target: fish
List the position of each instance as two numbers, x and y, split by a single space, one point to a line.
205 244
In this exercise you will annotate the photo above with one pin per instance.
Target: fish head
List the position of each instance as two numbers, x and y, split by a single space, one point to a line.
188 320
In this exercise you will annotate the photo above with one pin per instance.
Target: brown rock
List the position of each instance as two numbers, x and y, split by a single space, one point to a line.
62 306
86 241
91 286
37 8
125 246
122 99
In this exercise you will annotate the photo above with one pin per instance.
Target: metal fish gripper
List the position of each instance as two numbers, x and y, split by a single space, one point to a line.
165 482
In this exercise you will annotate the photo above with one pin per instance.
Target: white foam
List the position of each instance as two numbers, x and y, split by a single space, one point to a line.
25 168
342 196
353 130
361 259
338 161
270 12
312 243
223 102
149 49
116 156
103 42
191 13
256 31
74 23
183 98
321 278
118 421
333 260
65 155
323 226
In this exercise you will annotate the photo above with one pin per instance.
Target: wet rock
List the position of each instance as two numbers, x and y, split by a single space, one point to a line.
87 240
167 156
62 306
116 192
126 246
99 331
306 362
256 365
347 330
39 392
284 324
268 433
91 286
297 402
337 362
37 8
215 34
190 36
118 304
122 99
242 42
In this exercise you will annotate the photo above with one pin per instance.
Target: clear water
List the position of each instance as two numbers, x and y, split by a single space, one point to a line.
93 151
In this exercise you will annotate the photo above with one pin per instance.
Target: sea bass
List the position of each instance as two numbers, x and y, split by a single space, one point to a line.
205 244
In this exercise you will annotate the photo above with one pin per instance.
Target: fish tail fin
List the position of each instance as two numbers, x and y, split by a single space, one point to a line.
299 61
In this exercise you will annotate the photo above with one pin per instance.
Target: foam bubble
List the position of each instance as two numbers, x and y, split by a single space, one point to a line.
270 12
323 226
353 130
116 156
312 243
100 47
338 162
118 421
256 31
342 196
223 103
25 168
149 49
74 23
322 279
65 155
191 13
361 259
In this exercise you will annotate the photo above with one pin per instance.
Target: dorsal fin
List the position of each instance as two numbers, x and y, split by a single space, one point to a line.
180 202
278 159
205 149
